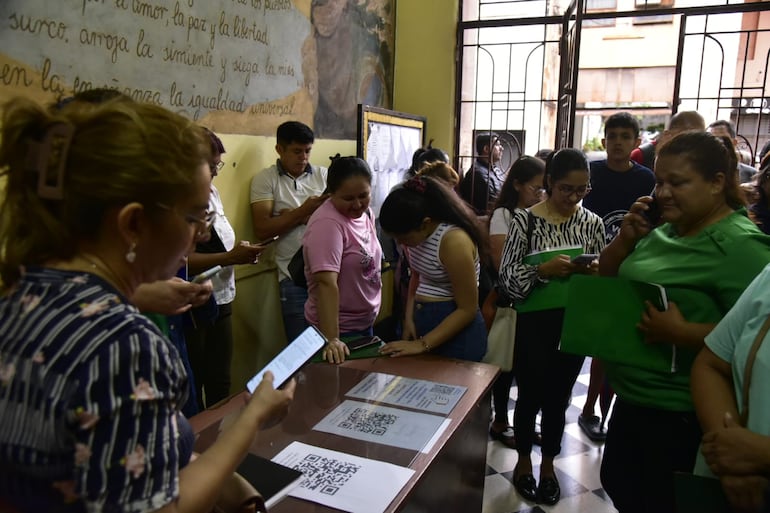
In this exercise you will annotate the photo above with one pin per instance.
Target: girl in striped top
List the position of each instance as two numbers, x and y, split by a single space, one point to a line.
443 241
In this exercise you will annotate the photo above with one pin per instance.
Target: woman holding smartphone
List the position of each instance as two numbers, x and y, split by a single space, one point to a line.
91 389
210 337
534 271
705 254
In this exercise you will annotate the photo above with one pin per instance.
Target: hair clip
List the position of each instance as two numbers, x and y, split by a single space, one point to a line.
48 159
416 184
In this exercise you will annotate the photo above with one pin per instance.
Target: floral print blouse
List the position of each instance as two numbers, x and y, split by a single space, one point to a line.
89 394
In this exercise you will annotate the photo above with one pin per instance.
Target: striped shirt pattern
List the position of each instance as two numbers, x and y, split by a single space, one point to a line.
584 229
424 259
89 390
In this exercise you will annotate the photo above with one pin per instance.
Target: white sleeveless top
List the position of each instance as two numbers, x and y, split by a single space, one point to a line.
424 259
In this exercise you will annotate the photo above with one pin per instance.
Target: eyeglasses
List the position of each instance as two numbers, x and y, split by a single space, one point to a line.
218 166
569 190
204 223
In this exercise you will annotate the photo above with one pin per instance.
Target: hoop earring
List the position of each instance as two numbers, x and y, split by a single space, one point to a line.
131 254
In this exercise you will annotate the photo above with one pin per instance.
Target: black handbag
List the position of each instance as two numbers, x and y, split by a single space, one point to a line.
296 269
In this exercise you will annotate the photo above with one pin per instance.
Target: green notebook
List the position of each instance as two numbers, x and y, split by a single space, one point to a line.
552 294
600 320
364 352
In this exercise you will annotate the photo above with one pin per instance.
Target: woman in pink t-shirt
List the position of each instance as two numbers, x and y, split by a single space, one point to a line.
342 259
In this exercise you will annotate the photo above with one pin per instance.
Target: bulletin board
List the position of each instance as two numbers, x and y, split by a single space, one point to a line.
237 66
386 141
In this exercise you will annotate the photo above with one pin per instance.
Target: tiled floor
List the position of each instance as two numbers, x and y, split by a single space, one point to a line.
577 468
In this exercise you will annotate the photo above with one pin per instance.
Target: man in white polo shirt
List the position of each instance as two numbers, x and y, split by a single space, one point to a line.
282 199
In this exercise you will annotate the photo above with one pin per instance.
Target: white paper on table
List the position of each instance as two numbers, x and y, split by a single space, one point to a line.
381 424
413 393
343 481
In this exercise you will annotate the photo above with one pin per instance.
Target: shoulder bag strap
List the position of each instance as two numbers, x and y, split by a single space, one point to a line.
530 229
749 369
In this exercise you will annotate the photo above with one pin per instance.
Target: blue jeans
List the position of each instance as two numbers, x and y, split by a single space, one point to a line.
468 344
292 308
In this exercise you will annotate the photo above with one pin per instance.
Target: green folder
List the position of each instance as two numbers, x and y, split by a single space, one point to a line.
364 352
600 320
552 294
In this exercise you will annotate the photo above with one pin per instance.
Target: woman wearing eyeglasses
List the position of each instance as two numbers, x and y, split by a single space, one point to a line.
90 388
534 272
705 254
210 335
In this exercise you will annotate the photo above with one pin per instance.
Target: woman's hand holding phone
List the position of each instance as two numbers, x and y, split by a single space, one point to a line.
559 266
635 223
269 404
587 263
244 253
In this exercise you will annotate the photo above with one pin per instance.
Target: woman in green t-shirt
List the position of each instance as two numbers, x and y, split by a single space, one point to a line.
705 254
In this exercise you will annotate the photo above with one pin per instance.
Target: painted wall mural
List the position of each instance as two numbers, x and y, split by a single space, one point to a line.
237 66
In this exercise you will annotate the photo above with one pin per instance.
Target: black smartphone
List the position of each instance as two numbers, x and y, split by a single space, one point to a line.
361 342
653 213
584 259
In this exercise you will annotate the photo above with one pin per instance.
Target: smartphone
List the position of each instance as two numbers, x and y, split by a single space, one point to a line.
653 213
293 356
205 275
584 259
266 241
361 342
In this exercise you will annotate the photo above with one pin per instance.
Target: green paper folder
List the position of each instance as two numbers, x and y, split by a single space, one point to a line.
552 294
355 354
601 317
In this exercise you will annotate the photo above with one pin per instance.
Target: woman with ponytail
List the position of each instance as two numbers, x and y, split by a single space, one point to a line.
445 245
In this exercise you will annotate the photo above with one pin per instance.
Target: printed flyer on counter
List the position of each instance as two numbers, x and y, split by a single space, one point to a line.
413 393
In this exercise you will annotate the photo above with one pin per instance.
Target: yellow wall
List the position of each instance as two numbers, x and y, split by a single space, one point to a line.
425 65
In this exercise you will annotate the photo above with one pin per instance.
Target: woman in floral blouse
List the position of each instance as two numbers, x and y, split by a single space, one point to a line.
99 199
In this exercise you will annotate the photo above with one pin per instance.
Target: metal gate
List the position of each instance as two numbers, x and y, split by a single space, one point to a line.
518 72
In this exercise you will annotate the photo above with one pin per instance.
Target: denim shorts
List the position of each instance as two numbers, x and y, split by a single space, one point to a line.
468 344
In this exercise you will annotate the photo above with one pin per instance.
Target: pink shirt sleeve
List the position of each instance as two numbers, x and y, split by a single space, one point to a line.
327 243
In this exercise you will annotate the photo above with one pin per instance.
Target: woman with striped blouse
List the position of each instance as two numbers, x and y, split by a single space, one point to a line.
534 271
443 241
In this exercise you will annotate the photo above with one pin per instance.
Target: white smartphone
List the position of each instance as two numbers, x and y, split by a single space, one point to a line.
293 356
205 275
584 259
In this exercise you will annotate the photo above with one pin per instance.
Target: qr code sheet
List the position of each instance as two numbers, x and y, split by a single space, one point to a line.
367 421
441 389
325 475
